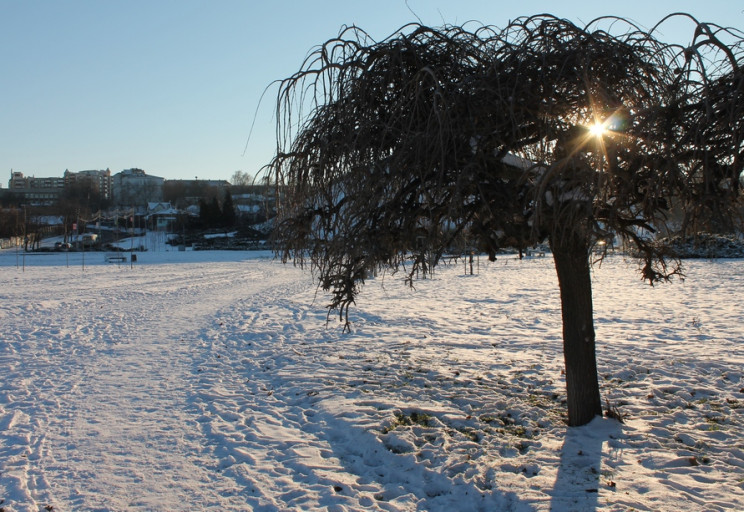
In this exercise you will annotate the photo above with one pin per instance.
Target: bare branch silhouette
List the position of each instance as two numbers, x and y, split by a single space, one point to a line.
392 152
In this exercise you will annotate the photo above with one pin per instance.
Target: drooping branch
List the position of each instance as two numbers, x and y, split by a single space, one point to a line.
393 148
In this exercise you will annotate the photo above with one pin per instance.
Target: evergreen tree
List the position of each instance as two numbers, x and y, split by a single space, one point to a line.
215 213
228 210
204 212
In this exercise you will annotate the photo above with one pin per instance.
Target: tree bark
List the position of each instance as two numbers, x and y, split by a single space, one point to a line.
574 279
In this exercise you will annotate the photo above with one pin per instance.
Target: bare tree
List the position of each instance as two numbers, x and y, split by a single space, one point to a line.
542 131
241 179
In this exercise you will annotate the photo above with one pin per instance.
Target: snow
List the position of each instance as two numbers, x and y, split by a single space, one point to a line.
212 381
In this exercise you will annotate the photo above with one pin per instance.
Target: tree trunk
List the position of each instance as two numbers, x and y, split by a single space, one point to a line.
574 279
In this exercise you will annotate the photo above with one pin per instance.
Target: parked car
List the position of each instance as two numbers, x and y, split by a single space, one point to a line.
62 246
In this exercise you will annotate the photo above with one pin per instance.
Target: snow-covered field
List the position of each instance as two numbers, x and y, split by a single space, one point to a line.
211 381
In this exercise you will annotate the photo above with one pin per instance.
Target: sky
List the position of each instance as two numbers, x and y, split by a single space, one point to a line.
175 87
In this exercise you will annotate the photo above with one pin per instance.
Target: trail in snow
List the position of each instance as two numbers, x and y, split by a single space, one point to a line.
114 425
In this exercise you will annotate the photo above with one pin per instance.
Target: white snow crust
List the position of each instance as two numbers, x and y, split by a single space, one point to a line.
213 381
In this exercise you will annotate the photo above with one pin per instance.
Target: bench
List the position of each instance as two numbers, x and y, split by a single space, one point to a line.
110 258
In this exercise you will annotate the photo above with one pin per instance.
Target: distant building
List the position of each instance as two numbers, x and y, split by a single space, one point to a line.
99 180
37 191
161 216
184 193
134 187
206 183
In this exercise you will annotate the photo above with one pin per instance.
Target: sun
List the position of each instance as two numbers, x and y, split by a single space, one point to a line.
597 129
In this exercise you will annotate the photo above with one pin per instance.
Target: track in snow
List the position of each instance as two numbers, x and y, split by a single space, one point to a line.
116 425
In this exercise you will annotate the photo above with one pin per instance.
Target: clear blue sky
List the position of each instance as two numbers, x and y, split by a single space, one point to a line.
172 86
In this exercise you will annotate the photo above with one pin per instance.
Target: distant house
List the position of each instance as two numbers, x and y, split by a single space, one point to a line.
50 220
160 215
257 205
248 209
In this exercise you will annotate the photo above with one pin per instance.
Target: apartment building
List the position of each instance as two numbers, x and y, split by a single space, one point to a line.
38 191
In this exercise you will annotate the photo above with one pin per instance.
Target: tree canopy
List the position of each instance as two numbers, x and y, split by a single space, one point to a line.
393 151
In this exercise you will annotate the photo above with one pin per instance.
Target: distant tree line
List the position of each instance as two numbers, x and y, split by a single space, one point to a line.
216 214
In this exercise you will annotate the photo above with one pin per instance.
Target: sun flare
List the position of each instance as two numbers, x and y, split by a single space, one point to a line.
597 129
